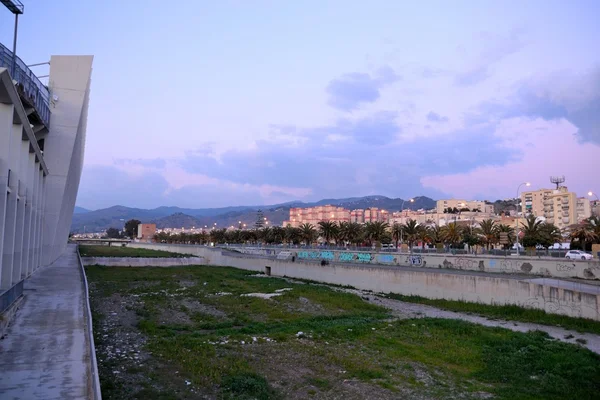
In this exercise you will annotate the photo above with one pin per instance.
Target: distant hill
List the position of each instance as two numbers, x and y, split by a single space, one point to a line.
80 210
176 217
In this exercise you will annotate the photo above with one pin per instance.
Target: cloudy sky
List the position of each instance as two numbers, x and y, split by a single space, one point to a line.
215 103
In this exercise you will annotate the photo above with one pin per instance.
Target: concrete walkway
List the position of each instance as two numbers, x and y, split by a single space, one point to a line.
45 354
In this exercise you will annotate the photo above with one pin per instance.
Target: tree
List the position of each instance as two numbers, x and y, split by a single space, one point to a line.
531 228
328 231
584 235
471 237
308 233
113 233
397 232
351 232
424 235
292 235
411 232
548 234
451 234
131 228
489 232
375 231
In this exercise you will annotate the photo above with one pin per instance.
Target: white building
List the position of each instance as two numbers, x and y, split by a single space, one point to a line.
42 139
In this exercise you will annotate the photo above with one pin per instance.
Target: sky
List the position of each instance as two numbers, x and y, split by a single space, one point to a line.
218 103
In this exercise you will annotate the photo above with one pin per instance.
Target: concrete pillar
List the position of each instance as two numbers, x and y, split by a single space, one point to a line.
10 230
6 118
23 157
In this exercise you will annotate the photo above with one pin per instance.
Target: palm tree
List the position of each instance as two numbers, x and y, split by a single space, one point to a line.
531 229
308 233
593 224
376 230
278 234
549 234
584 235
292 235
355 233
435 233
411 232
424 235
328 231
397 232
489 232
451 234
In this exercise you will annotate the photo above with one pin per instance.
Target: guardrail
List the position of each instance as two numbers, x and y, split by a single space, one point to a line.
29 85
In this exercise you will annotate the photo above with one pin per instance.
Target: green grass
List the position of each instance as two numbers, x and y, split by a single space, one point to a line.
118 251
432 358
506 312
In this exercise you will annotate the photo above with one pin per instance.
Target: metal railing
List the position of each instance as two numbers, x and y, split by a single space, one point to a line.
28 84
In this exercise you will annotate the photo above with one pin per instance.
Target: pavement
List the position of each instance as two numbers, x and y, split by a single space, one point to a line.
45 352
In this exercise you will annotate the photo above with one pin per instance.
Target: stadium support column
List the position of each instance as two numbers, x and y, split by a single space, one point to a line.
10 223
6 118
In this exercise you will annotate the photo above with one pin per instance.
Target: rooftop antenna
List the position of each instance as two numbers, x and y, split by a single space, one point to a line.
557 180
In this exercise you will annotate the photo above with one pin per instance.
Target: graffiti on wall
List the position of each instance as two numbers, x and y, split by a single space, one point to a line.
386 258
414 260
316 255
565 267
346 257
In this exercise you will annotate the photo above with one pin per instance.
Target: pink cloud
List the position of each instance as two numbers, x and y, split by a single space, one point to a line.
548 148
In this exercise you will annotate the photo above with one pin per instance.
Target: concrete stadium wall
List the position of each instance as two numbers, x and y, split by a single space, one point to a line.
69 83
547 294
142 261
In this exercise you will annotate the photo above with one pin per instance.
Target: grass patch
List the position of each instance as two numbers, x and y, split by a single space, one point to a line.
119 251
222 348
506 312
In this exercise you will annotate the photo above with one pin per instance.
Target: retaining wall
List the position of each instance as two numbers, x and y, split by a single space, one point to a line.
548 267
142 261
551 295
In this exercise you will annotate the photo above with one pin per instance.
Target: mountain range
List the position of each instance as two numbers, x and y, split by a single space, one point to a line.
175 217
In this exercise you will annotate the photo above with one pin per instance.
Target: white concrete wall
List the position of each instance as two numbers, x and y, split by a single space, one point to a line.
37 201
21 168
69 83
546 294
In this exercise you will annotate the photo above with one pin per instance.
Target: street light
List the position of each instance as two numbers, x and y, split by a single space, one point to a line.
519 202
590 193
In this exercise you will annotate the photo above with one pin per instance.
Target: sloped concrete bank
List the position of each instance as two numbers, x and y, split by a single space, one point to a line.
142 261
552 295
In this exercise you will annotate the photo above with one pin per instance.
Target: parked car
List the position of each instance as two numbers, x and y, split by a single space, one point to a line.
578 255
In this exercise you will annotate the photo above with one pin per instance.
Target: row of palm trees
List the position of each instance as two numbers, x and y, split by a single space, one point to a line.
488 233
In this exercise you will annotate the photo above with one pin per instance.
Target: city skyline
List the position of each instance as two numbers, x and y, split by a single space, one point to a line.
281 102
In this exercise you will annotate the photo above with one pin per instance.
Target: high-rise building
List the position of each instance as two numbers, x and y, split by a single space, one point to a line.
584 209
314 215
42 139
558 206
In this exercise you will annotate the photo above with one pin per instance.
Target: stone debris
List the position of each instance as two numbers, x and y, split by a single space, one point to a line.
278 292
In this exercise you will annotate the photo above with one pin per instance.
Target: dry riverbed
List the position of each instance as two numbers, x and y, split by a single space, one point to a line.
208 333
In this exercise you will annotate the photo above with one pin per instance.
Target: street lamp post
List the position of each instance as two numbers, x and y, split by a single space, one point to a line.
517 220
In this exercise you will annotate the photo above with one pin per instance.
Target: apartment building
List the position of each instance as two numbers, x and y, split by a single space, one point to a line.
146 232
584 209
357 216
558 206
482 206
314 215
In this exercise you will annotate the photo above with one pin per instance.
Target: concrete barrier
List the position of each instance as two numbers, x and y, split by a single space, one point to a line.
142 262
547 267
551 295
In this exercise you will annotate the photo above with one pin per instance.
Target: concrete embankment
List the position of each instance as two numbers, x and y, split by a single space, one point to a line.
552 295
142 261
